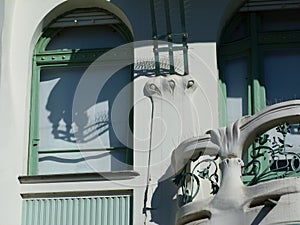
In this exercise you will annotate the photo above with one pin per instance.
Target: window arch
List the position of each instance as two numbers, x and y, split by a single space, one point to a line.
64 51
259 64
259 55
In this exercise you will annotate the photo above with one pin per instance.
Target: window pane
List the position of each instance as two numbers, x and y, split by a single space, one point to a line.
282 75
236 86
92 125
86 38
82 162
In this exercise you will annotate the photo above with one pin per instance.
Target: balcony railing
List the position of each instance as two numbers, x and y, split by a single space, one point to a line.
255 153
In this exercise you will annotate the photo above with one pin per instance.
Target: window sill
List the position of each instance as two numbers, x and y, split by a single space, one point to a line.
57 178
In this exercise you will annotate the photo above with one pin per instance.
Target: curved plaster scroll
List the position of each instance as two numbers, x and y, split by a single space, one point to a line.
170 85
232 203
173 112
268 118
234 139
192 149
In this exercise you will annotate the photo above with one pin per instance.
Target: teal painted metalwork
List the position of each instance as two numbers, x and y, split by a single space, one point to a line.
206 169
169 36
113 210
282 160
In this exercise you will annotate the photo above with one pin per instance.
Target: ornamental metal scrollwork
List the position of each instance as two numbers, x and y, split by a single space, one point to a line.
272 157
206 169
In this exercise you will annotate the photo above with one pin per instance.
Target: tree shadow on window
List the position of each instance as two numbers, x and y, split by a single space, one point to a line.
90 121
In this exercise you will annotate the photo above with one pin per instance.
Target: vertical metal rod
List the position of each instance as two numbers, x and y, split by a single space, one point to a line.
155 38
185 58
153 18
156 57
169 37
182 15
184 37
171 56
168 18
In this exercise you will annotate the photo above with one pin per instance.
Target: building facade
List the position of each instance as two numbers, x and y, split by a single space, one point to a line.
111 112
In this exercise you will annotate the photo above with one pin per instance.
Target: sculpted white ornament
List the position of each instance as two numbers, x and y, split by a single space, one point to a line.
271 202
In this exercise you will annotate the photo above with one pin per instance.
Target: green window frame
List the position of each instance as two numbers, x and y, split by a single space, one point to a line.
251 43
43 58
250 47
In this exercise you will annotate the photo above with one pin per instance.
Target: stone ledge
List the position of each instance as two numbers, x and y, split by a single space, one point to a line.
59 178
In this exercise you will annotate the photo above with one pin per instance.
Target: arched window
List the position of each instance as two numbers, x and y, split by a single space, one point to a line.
259 63
65 50
259 58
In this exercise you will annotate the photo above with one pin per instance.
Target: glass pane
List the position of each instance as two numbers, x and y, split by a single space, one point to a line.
280 20
86 38
82 162
282 75
236 86
93 125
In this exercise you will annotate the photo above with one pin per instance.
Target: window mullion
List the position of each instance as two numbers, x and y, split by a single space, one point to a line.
257 95
34 114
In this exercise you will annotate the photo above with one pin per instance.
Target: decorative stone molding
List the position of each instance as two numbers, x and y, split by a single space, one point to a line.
237 204
233 140
234 202
170 85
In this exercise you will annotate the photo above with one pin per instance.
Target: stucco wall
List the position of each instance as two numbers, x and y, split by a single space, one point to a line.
21 24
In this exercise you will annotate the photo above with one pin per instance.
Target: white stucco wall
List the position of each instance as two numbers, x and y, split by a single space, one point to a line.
21 23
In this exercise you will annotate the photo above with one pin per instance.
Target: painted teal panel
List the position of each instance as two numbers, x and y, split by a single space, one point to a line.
112 210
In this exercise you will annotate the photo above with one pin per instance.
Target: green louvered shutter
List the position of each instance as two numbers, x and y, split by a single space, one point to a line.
108 210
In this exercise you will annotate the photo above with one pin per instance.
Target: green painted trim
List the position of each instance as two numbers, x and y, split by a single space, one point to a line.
257 102
69 56
255 45
185 58
62 58
222 94
34 117
45 39
222 104
256 98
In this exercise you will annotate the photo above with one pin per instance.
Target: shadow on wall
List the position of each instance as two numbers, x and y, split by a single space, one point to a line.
164 202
